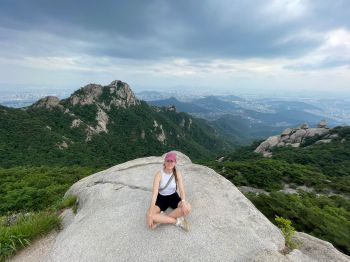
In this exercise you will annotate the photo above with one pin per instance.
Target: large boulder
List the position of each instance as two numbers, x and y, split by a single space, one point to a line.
268 144
110 224
292 136
48 102
316 131
298 136
322 124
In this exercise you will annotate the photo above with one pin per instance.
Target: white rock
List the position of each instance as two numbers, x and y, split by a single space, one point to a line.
76 123
322 124
333 136
287 132
304 126
314 249
48 102
298 136
323 141
267 144
316 131
111 219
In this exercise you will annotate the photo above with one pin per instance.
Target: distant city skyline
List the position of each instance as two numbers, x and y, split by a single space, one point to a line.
285 47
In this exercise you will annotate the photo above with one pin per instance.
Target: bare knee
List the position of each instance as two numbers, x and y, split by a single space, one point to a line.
152 211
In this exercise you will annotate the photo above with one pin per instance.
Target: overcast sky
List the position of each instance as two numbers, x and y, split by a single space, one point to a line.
258 46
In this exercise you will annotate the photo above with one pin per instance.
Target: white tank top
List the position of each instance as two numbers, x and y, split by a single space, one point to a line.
171 188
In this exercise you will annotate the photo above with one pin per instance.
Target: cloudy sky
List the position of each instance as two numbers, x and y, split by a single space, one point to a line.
220 46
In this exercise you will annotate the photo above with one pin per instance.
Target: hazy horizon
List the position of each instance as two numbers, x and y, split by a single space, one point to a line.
65 91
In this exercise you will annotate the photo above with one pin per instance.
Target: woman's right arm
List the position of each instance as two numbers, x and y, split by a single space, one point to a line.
155 189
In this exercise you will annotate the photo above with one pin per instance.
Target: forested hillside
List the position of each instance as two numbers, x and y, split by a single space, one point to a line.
309 185
91 128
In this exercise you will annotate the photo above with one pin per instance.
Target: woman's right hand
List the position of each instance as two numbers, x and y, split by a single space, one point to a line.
149 218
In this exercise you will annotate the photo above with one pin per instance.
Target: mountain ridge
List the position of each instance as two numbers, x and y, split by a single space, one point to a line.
103 125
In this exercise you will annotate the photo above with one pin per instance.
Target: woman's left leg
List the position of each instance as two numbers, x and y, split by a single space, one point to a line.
179 211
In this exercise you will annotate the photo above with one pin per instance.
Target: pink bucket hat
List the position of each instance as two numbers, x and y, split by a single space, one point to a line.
170 156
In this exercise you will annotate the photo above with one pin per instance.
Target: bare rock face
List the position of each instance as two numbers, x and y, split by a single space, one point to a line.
322 124
125 97
316 131
111 219
268 144
323 141
87 95
293 137
102 121
76 123
314 249
48 102
287 132
304 126
116 93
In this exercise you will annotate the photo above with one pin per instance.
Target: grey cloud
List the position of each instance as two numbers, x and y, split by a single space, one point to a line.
326 63
158 29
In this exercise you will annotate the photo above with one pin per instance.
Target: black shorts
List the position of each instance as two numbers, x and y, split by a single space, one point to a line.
163 202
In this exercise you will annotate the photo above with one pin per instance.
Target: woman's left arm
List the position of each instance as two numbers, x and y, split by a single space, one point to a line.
181 186
185 206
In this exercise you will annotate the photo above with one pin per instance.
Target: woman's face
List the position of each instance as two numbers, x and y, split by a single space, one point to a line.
169 164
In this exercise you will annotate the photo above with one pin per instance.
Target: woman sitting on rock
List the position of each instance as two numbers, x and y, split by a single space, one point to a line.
164 195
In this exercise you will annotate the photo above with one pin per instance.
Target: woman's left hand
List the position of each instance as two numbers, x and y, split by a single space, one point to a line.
185 208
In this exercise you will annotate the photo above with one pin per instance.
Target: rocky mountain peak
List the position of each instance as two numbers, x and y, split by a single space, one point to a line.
117 93
86 95
48 102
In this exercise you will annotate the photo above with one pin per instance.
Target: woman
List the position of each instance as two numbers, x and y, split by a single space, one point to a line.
164 195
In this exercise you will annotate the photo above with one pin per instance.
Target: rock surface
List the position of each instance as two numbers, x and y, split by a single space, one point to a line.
111 220
314 249
118 94
48 102
293 137
110 224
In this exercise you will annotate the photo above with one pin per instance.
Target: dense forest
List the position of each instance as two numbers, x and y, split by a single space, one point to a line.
321 169
38 136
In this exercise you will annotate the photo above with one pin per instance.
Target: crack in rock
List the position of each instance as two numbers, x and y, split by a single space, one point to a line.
121 185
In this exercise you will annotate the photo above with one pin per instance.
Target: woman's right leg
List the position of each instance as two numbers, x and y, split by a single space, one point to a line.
163 218
150 213
160 218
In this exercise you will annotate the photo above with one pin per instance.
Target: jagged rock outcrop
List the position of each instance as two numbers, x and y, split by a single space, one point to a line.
48 102
116 93
322 124
293 137
171 108
86 95
110 224
76 123
102 121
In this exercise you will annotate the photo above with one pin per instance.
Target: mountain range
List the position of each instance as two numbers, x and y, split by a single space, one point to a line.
241 121
100 126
